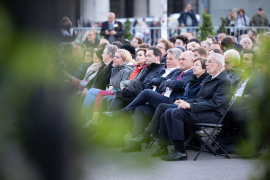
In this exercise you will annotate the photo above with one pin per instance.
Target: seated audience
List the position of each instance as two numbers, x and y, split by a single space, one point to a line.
191 89
164 45
215 45
206 45
120 70
136 42
181 40
91 41
207 107
246 43
192 45
211 39
200 52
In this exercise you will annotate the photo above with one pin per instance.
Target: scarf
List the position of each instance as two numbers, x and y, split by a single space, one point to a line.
136 71
193 80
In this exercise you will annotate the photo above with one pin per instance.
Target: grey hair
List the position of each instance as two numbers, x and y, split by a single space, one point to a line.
219 58
241 41
235 56
209 44
175 51
111 49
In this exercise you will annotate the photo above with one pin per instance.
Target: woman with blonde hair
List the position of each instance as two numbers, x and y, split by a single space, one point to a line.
65 33
230 21
192 45
122 67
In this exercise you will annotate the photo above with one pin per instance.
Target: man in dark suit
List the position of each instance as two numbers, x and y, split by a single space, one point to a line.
112 30
207 107
187 17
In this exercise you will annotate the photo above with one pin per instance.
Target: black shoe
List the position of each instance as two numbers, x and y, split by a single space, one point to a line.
175 156
114 144
132 148
140 139
160 152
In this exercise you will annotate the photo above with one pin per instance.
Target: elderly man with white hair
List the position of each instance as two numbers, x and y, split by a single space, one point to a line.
232 62
207 107
246 43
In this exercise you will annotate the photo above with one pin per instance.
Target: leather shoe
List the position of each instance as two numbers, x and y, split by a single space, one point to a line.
132 148
140 139
160 152
175 156
114 144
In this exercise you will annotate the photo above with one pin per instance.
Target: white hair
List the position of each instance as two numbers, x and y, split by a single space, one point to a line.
235 56
219 58
241 41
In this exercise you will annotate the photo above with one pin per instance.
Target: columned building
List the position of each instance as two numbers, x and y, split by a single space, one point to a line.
97 10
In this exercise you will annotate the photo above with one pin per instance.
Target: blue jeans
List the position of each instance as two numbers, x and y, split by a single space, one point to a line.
89 102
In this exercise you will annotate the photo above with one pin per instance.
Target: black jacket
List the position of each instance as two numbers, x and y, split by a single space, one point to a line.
118 28
183 18
130 93
90 45
236 75
192 88
102 78
212 100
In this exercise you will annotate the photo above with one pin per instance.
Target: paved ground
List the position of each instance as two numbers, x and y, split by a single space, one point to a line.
101 163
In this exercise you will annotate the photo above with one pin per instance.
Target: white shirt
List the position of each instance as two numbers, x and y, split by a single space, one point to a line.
167 72
240 90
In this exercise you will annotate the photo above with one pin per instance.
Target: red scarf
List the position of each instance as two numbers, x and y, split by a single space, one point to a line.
136 71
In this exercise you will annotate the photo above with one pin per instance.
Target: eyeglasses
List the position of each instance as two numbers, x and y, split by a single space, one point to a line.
209 62
227 62
87 55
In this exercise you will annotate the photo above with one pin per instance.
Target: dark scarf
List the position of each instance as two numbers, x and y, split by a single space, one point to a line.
193 80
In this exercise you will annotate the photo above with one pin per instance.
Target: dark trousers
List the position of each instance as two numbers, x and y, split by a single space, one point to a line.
175 119
142 116
154 125
116 103
147 95
163 138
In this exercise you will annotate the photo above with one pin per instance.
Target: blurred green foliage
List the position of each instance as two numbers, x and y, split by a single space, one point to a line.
127 26
207 27
258 126
222 26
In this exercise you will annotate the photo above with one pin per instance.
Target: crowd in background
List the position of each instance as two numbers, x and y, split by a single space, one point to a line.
159 88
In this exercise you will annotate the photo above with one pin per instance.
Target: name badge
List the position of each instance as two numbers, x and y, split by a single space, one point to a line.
115 25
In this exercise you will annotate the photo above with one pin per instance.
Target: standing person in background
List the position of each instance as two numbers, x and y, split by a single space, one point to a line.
187 17
65 33
91 40
241 22
112 30
259 19
230 21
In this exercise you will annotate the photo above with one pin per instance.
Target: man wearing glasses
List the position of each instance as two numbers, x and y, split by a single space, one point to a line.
207 107
164 45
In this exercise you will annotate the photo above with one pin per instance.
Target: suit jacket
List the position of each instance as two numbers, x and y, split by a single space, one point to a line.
177 85
212 100
118 27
